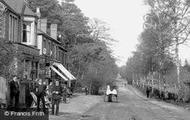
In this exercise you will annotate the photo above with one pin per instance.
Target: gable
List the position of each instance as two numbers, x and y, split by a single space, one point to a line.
18 5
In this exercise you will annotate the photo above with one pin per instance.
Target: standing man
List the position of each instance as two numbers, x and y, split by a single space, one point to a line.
14 92
41 92
86 90
56 96
148 91
64 93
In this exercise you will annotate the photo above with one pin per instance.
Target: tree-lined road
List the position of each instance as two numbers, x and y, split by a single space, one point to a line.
134 106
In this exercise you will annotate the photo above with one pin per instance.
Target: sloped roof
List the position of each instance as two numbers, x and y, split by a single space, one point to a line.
17 6
28 11
40 32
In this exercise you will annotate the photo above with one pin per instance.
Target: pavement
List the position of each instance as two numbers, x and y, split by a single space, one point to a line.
133 105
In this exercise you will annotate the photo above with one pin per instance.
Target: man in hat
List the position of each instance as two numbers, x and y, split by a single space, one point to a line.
56 96
14 92
41 92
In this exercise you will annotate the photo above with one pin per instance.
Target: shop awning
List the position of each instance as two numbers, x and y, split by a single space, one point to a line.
65 71
60 74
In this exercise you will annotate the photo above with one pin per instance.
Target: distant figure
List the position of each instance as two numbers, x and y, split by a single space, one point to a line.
56 96
14 92
64 93
108 93
148 91
86 90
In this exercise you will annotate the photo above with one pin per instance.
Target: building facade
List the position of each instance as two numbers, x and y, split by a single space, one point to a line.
51 49
19 28
53 54
39 52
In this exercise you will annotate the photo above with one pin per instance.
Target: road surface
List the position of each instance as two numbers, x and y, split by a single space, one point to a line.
134 106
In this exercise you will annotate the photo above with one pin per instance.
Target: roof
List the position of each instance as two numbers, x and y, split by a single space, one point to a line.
40 32
29 12
17 6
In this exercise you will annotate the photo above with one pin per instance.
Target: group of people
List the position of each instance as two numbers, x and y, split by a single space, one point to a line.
54 91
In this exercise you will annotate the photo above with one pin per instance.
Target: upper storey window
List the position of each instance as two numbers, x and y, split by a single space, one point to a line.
26 32
13 28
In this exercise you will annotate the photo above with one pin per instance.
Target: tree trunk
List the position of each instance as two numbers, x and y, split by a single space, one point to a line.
177 62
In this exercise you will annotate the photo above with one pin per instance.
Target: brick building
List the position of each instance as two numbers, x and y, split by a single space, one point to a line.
52 52
19 28
39 54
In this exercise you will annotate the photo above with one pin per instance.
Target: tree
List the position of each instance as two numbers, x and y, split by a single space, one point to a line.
176 21
90 57
10 59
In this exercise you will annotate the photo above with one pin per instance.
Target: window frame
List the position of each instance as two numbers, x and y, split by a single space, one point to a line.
13 27
27 30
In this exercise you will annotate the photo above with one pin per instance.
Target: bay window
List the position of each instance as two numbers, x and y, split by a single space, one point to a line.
13 28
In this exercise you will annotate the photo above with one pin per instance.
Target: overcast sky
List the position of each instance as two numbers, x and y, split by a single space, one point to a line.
124 17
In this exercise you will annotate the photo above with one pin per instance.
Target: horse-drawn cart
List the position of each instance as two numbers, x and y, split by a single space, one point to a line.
110 93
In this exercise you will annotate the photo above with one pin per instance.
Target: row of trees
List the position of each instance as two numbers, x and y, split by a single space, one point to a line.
87 42
166 27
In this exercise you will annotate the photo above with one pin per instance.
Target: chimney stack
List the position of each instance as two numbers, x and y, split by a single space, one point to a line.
53 31
43 25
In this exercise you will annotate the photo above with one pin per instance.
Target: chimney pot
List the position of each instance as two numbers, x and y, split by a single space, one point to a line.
43 25
38 12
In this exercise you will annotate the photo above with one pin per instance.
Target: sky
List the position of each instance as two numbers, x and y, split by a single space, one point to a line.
125 19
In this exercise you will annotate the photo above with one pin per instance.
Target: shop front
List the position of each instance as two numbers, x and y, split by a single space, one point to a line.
64 74
28 71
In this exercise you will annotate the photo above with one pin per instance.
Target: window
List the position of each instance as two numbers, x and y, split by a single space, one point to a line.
60 56
57 52
44 45
53 50
2 26
26 32
35 34
13 28
64 58
49 48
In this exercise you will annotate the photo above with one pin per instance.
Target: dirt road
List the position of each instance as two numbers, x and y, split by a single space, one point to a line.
134 106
